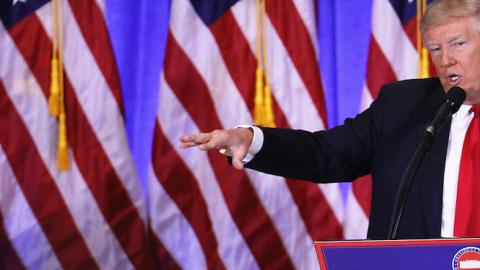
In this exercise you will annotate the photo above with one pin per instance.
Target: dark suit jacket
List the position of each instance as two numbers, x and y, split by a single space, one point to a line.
381 140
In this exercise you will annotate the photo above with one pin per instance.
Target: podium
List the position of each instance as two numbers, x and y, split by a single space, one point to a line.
460 253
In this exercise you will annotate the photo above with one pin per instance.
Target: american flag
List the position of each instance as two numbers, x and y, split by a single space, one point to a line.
199 212
228 218
393 55
94 215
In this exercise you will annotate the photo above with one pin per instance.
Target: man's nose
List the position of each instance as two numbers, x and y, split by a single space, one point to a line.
448 59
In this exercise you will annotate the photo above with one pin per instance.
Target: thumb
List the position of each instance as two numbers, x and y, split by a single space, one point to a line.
238 156
237 162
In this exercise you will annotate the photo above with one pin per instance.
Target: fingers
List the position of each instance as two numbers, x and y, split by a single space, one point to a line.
187 141
235 141
204 141
187 144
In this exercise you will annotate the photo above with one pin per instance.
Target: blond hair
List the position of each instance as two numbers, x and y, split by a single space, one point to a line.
441 10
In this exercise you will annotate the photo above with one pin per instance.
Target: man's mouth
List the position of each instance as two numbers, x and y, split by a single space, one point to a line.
454 79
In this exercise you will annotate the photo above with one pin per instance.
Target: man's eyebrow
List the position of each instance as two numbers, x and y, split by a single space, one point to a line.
431 43
455 38
449 40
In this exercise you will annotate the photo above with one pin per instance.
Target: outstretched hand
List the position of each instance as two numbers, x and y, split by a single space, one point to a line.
234 141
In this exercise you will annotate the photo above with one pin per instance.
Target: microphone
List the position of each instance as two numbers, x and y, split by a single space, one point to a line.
455 97
453 101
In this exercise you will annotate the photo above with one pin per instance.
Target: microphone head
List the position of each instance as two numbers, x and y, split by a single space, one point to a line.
455 98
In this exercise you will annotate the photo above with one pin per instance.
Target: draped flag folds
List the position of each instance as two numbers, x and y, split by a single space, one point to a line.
228 218
393 55
92 216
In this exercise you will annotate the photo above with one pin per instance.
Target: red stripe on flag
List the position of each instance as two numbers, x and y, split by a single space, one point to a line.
240 196
294 35
40 190
92 24
318 216
164 259
8 256
410 28
238 57
379 70
316 212
411 31
111 196
100 176
38 56
182 187
362 189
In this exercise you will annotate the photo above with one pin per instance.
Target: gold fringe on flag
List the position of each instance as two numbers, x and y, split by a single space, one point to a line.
259 112
63 161
54 98
423 60
263 113
56 101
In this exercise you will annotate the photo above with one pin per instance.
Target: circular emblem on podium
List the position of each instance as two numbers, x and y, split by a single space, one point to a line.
467 258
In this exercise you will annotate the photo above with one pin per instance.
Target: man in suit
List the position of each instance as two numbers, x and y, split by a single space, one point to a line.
382 139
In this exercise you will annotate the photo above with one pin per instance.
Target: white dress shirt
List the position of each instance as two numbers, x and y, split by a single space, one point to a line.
460 122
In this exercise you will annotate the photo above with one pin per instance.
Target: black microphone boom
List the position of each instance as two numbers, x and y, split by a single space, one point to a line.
453 101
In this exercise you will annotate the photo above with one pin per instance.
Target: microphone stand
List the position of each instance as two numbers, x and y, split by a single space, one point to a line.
407 182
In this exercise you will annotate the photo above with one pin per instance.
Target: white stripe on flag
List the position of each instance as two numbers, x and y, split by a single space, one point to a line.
291 94
356 222
229 104
290 91
33 108
232 110
172 229
366 98
97 101
393 41
228 236
101 5
21 225
277 199
306 10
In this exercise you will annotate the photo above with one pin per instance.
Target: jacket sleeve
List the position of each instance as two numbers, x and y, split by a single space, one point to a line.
339 154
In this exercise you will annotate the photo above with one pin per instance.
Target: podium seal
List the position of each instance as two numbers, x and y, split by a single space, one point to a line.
466 258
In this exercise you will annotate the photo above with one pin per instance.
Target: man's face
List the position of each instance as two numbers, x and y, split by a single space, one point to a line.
455 50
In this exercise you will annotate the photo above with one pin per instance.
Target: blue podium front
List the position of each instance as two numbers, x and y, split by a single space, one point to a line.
435 254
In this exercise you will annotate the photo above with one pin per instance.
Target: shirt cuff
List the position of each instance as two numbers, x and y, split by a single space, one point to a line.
257 143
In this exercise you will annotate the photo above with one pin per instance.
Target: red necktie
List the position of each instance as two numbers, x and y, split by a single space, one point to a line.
467 209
